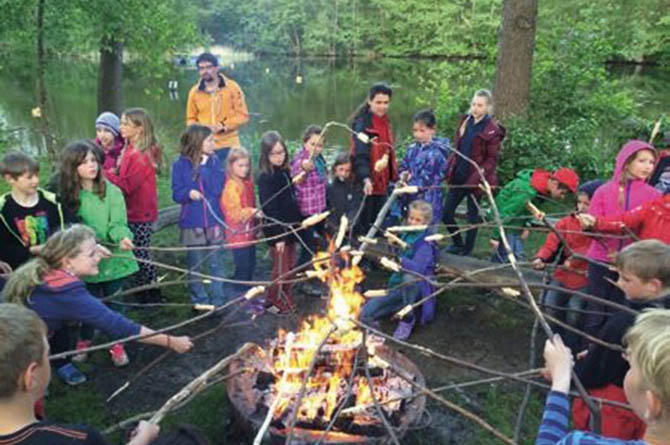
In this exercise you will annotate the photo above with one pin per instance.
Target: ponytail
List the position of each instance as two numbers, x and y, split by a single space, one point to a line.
61 245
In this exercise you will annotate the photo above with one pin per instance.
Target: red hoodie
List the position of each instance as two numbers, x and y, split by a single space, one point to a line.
573 273
651 220
136 177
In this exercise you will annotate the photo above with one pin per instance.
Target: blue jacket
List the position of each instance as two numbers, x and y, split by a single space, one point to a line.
209 181
63 298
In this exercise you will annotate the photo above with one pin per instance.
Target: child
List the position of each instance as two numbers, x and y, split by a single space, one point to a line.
275 192
29 214
136 177
374 161
572 273
343 195
51 286
425 163
651 220
108 137
645 385
529 185
644 276
197 184
99 205
420 257
311 191
478 137
238 203
25 373
625 191
660 178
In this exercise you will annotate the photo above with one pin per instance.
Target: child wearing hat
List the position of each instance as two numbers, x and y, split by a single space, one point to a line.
529 185
108 137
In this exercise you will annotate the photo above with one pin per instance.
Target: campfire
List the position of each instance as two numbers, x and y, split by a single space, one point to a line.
328 379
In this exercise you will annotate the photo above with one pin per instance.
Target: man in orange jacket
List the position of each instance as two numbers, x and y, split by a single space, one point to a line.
218 103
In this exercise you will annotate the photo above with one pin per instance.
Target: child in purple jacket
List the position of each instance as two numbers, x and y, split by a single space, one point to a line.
420 257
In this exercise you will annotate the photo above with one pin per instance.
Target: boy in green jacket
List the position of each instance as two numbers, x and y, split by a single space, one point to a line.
529 185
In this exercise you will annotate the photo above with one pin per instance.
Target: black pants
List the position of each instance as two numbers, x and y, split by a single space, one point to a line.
373 205
61 341
454 198
602 288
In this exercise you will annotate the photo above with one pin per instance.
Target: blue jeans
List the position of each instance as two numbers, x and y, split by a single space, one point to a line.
376 308
515 243
245 264
564 300
196 260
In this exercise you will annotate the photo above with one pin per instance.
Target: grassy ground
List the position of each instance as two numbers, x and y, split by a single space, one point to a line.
471 325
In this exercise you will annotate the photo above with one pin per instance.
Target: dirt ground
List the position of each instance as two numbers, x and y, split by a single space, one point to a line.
474 326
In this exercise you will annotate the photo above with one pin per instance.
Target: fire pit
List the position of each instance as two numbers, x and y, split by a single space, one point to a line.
323 368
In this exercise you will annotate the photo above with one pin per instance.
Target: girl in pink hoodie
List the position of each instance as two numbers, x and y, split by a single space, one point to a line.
626 190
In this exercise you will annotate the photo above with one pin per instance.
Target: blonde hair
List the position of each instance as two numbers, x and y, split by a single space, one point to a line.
22 334
234 155
424 208
648 342
647 259
61 245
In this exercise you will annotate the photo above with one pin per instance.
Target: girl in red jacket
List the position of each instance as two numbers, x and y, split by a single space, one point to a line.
238 204
372 151
136 177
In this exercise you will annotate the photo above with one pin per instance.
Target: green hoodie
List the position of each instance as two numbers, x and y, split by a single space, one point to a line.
108 218
511 201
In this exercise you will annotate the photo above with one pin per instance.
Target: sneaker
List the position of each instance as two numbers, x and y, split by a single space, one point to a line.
82 357
403 331
70 375
119 356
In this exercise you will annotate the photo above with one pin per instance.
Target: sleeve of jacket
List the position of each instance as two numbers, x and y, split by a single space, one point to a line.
191 109
361 153
182 183
421 259
90 311
633 219
230 204
118 218
240 114
132 176
511 202
550 246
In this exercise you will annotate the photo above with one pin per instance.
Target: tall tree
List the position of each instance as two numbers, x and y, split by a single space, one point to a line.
516 45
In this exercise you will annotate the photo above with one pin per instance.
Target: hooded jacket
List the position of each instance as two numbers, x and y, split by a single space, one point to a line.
64 298
485 152
209 182
605 200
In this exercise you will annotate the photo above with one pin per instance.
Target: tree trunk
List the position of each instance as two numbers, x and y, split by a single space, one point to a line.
40 83
110 77
516 44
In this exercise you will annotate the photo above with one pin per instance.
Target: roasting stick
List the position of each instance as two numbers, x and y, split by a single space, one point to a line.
282 384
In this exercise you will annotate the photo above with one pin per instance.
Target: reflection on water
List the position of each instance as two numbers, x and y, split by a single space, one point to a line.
282 93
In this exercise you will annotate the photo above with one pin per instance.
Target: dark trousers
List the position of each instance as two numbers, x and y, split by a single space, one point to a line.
60 341
245 264
373 205
602 288
454 198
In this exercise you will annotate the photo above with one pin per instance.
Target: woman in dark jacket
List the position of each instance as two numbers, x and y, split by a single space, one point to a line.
478 137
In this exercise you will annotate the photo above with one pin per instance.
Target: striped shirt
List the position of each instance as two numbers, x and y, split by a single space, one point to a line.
554 426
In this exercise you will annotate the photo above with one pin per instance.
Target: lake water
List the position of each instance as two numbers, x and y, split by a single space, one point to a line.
330 90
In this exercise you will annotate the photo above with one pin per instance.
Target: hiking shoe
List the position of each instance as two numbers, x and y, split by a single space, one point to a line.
403 331
119 356
82 357
70 375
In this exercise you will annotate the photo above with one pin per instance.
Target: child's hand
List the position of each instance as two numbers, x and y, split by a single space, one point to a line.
258 213
494 244
582 354
145 433
280 246
537 264
35 250
585 220
307 165
126 244
525 234
558 363
180 344
195 195
367 186
5 269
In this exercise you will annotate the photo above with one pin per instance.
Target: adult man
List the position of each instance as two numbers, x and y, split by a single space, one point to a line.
24 375
218 103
